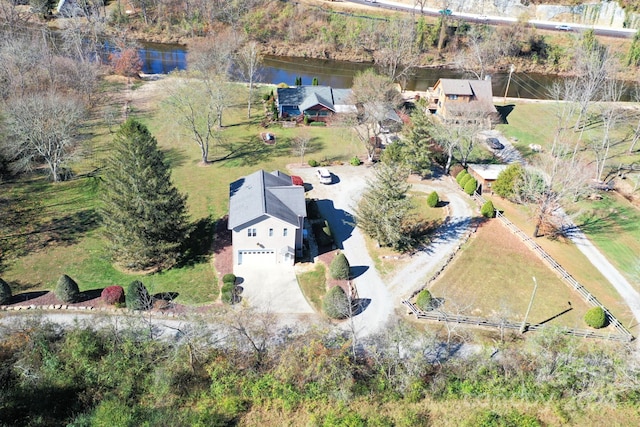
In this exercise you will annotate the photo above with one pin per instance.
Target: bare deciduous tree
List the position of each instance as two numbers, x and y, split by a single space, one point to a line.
374 95
300 144
42 128
248 61
396 53
559 177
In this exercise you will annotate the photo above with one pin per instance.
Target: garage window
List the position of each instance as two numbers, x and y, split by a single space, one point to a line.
251 232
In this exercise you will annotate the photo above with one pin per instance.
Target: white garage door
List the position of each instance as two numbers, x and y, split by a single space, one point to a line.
258 256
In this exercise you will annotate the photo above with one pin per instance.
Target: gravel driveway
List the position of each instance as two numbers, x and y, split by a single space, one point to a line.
337 202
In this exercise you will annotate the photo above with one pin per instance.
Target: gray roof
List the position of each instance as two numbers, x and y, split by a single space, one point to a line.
262 193
305 97
456 86
486 171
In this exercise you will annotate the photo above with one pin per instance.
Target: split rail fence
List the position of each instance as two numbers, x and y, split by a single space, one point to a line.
564 274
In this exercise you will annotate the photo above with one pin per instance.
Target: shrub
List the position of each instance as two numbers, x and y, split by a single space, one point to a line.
339 268
266 96
470 186
312 209
596 318
313 163
487 210
229 278
67 289
424 300
335 303
323 233
433 199
455 170
355 161
508 181
226 293
461 175
305 120
113 295
5 292
465 178
137 296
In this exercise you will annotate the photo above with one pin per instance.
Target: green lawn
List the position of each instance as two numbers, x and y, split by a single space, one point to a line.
58 226
314 285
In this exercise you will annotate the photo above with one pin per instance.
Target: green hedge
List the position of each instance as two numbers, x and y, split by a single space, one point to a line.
335 303
433 199
355 161
229 278
424 300
137 296
339 268
461 175
470 186
465 178
67 289
5 292
313 163
596 318
488 210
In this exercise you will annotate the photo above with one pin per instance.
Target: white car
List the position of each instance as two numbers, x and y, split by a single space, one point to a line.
324 176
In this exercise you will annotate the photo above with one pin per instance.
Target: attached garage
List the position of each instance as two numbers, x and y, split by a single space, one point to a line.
257 256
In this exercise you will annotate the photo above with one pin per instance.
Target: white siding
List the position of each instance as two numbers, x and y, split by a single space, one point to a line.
262 241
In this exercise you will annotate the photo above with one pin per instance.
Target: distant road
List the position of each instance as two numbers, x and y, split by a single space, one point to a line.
500 20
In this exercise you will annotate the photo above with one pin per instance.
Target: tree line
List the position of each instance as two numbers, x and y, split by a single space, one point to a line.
243 368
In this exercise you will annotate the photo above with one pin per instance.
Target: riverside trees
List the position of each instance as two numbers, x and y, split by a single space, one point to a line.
144 215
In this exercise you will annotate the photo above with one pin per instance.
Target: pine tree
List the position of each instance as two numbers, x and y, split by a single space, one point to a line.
144 216
385 208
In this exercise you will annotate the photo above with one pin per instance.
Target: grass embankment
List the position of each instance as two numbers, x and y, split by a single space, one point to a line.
314 285
64 236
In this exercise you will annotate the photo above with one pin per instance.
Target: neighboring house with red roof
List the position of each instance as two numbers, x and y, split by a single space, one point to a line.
266 217
457 100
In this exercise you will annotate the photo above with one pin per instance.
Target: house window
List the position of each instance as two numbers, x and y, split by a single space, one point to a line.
251 232
452 97
284 232
271 232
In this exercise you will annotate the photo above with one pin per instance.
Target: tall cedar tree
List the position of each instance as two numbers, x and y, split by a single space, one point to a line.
144 216
385 209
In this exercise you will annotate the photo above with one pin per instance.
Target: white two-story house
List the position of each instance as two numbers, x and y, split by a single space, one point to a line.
266 217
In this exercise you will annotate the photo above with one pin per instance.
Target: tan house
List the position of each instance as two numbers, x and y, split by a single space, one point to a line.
457 101
266 217
485 175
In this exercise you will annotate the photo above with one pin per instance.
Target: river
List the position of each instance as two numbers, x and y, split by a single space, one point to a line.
163 58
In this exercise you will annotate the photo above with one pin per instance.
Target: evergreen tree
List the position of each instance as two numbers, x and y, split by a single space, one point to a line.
508 181
385 209
5 292
144 216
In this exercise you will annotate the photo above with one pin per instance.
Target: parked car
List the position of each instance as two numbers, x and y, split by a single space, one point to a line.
324 176
494 144
563 27
445 12
296 180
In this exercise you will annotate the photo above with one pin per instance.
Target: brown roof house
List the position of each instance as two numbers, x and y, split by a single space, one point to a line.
266 216
457 101
485 175
317 103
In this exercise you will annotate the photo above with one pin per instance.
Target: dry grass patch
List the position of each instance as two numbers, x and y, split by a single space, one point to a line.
492 276
313 283
575 262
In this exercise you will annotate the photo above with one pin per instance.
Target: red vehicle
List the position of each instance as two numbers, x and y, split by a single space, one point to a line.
296 180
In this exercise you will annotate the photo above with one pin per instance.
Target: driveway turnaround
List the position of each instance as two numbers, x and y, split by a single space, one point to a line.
271 289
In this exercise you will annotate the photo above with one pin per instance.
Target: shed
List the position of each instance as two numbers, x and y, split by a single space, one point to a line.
485 175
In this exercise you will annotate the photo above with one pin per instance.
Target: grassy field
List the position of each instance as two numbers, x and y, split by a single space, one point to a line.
492 278
59 229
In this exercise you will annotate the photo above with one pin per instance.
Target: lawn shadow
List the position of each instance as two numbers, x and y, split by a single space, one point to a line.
89 295
166 296
554 317
359 305
26 296
200 241
340 221
174 157
252 151
504 111
358 270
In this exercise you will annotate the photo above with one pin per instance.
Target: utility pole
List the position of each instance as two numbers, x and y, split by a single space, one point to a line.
523 328
512 68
